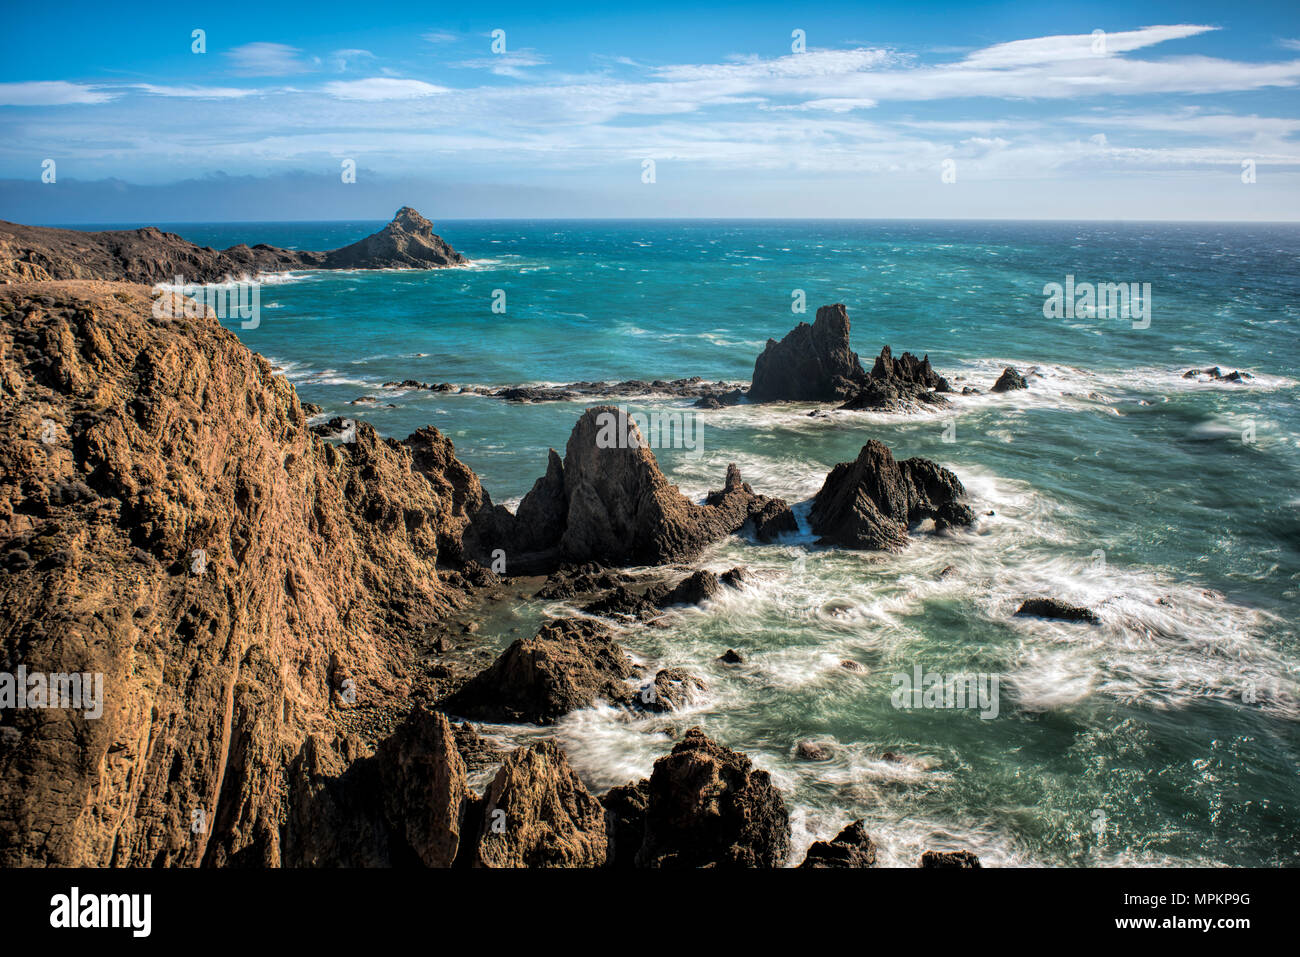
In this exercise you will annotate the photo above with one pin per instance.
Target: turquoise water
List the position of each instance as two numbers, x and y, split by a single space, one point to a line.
1168 733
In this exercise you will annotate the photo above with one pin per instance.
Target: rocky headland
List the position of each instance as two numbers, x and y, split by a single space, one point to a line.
149 255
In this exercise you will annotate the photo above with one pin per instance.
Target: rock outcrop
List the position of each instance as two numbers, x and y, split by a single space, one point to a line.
608 502
168 520
773 520
1057 609
813 363
1009 380
537 813
706 806
898 384
407 242
852 847
706 394
872 502
627 598
404 805
149 255
960 860
1215 374
570 664
625 809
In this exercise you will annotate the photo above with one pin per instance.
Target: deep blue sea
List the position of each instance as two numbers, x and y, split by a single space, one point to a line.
1167 734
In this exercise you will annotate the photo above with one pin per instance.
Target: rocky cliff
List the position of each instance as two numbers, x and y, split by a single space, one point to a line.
255 599
167 519
149 255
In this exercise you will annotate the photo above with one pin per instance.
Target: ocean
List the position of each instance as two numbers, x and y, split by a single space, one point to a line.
1167 734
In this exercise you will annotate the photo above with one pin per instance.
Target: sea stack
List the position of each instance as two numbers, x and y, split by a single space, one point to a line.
872 502
812 363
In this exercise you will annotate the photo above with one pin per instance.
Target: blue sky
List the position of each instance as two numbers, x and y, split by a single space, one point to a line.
1031 113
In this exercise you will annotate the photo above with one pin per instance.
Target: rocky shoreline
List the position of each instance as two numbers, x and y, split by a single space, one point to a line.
812 363
275 614
38 253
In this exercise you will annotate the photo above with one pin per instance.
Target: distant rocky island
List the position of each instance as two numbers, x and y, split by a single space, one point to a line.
149 255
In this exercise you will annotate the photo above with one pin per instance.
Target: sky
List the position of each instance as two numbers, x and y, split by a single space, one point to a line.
1132 110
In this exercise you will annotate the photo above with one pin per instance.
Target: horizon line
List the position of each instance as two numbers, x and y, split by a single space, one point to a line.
670 219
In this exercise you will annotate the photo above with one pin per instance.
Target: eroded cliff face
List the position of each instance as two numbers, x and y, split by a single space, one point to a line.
167 519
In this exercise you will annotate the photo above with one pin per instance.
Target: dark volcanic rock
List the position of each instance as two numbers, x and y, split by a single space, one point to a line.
694 589
1010 379
1215 373
708 807
812 363
623 600
812 751
708 395
568 665
731 657
423 779
908 368
852 847
537 813
773 520
574 580
608 502
949 859
870 503
542 513
735 577
404 805
897 384
719 400
671 689
1055 608
152 256
625 810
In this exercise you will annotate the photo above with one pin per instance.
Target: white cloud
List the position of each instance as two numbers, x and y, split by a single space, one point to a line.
341 58
833 105
1056 49
51 93
267 59
382 88
197 92
824 111
512 63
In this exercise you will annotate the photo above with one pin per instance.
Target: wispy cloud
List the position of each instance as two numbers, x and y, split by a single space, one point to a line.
340 59
268 59
512 63
1057 49
197 92
843 111
51 93
382 88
